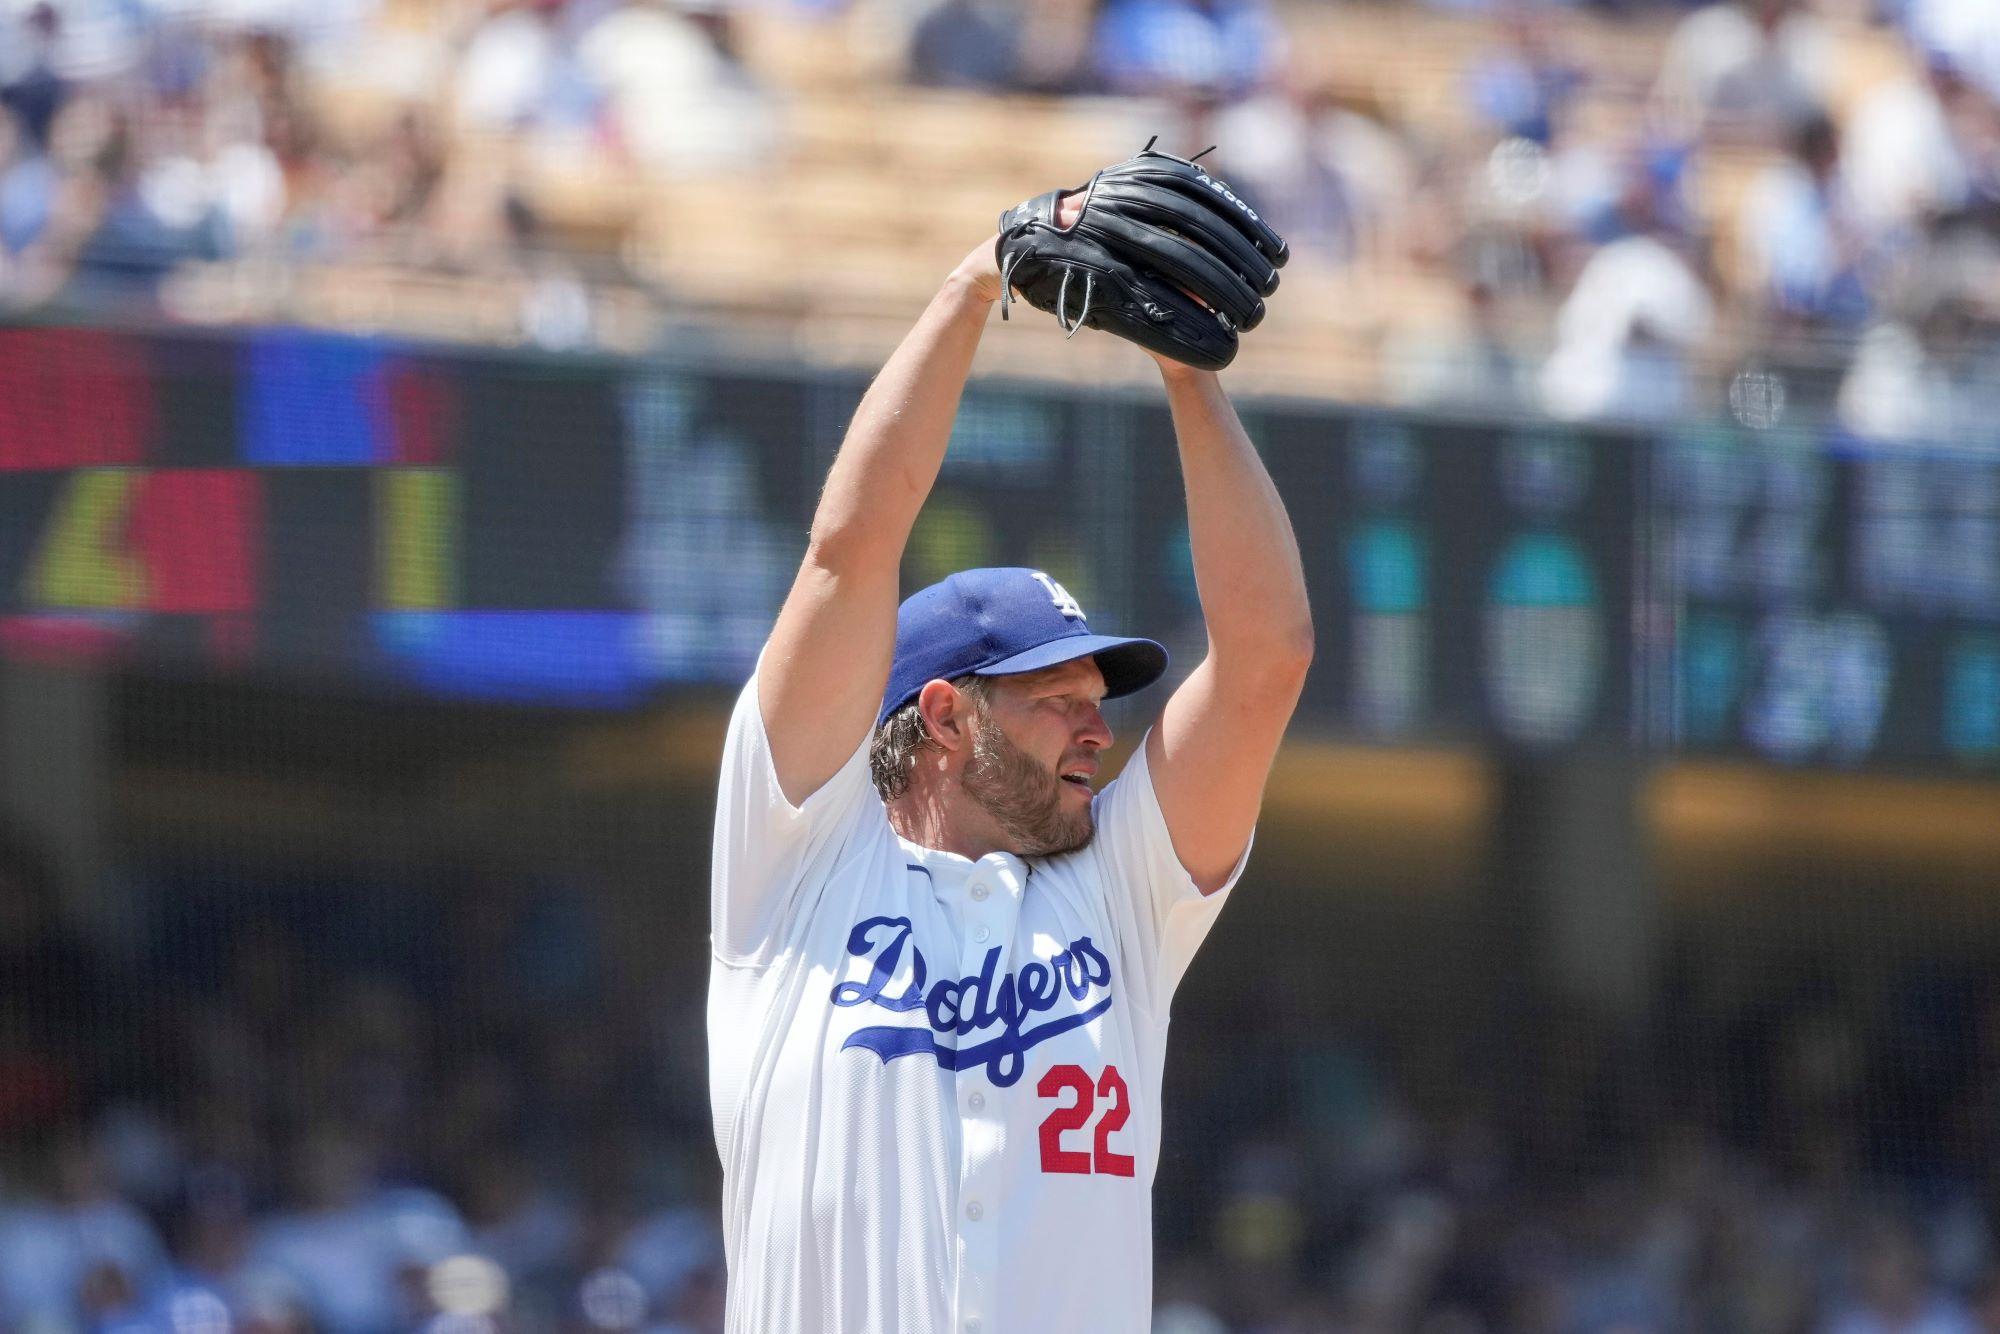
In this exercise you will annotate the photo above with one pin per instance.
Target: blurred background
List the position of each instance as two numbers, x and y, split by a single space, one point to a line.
409 417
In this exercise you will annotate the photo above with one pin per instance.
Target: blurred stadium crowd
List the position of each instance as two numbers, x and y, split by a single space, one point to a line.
336 1103
291 1104
1813 1156
1589 210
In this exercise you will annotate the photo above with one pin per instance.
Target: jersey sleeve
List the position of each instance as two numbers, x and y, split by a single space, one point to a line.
1170 917
768 853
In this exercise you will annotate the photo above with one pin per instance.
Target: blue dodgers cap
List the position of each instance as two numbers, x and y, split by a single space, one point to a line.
996 622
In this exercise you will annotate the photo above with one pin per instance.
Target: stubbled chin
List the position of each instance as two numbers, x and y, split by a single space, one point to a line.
1079 839
1073 834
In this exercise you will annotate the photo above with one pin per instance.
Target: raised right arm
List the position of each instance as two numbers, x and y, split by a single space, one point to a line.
827 661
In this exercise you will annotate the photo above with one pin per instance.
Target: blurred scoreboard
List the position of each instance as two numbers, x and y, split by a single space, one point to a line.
1465 581
1798 596
1815 598
593 532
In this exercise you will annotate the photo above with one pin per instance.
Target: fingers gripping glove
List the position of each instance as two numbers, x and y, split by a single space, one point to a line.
1163 254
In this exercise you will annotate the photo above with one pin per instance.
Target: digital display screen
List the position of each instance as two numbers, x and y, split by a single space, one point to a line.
1464 581
593 532
1821 599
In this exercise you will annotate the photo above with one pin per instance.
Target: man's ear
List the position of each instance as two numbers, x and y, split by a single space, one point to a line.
947 714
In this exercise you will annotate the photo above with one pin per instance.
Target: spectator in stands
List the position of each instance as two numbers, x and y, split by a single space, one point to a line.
1328 164
532 1231
1055 38
83 1251
1520 85
105 239
395 190
248 145
1479 363
967 44
337 1245
1965 32
518 72
1745 67
31 87
1015 46
1903 157
112 1232
28 184
1187 1317
1893 1292
1924 166
1217 49
678 94
1638 314
677 1258
1931 373
1799 237
211 1229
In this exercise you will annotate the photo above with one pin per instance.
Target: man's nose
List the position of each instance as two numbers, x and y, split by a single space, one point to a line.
1095 732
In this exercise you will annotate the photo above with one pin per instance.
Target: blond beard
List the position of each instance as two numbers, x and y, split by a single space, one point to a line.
1023 796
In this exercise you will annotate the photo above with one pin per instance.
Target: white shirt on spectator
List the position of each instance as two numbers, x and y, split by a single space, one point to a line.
680 104
1899 157
1968 31
1719 61
505 69
1623 333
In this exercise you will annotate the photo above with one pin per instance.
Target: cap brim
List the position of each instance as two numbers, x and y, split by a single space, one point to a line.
1127 664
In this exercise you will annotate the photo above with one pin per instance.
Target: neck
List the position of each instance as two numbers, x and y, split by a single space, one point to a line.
935 813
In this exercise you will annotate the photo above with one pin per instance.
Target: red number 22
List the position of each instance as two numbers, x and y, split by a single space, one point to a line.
1073 1079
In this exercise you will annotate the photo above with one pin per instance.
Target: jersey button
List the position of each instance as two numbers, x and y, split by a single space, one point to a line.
972 1324
981 934
979 892
974 1211
976 1101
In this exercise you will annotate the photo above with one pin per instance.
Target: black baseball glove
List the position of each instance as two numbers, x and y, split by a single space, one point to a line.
1163 254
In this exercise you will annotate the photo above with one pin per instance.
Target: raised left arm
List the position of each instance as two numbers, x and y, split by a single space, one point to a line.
1212 750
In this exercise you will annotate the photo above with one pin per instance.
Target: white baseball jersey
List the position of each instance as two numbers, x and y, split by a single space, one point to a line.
936 1082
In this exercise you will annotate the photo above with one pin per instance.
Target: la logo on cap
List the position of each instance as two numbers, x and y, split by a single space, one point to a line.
1059 595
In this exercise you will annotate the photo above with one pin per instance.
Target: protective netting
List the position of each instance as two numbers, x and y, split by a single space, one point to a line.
1618 952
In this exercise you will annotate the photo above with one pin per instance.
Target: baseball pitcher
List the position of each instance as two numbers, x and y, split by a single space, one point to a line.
944 949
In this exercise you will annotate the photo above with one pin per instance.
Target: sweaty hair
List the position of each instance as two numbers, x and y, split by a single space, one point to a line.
892 755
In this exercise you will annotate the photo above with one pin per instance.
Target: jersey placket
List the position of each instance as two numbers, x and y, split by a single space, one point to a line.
987 913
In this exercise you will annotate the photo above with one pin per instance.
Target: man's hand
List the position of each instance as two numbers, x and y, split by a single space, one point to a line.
982 267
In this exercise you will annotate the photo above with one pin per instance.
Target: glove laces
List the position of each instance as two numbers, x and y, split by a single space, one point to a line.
1062 300
1007 281
1068 326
